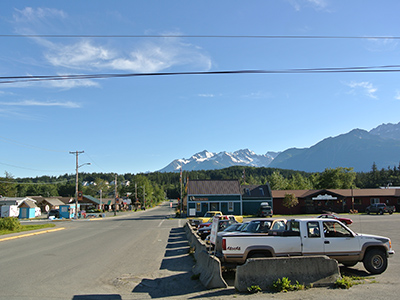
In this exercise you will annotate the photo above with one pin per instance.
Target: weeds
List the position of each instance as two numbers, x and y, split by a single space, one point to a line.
285 285
254 289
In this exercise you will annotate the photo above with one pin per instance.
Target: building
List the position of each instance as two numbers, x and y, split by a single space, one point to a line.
334 200
227 196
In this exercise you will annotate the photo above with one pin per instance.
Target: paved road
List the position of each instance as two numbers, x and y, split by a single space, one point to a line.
143 255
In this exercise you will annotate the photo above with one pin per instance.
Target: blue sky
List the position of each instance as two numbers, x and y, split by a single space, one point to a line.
140 124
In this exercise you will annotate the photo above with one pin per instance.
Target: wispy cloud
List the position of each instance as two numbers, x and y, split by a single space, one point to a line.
147 57
206 95
366 87
35 15
381 45
67 104
316 4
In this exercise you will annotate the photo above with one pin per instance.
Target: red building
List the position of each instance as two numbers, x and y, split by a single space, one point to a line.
335 200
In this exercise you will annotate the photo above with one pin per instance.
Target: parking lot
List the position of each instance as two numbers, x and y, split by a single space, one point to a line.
381 286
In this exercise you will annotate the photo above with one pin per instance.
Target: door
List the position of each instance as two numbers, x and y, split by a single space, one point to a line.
338 240
313 242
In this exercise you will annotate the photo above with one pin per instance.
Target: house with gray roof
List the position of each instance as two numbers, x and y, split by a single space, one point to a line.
227 196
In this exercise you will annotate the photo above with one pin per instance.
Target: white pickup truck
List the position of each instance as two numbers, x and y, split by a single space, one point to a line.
311 237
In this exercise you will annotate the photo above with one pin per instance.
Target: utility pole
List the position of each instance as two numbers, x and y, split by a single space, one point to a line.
76 181
116 195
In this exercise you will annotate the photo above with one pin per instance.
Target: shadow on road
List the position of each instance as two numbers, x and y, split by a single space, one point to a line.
176 259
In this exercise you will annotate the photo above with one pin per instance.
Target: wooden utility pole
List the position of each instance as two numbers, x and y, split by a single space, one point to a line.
76 181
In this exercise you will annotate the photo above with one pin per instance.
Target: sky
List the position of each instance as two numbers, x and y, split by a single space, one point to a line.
138 124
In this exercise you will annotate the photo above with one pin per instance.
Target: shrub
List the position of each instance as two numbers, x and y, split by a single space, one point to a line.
10 223
285 285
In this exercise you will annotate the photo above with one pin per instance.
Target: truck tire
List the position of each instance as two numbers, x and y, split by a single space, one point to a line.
368 211
381 212
375 261
390 212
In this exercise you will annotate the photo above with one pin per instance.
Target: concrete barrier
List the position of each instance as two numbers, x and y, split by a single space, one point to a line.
207 266
263 272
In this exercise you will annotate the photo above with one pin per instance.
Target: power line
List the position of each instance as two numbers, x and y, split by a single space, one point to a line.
368 69
28 146
195 36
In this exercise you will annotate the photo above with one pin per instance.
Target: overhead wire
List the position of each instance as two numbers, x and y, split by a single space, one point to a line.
356 69
194 36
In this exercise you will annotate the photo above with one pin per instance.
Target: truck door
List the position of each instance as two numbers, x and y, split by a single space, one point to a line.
313 243
338 240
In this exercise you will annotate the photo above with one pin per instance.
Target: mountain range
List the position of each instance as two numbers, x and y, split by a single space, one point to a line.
358 149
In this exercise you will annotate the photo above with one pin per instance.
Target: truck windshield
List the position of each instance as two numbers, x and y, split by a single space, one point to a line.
335 229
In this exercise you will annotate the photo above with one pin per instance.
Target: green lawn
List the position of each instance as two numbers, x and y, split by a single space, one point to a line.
26 228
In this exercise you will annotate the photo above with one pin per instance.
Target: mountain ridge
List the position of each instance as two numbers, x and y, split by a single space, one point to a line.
358 149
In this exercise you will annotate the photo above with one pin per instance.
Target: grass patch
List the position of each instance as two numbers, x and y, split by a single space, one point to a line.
23 228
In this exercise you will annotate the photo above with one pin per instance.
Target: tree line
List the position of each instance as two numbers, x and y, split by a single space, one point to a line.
157 186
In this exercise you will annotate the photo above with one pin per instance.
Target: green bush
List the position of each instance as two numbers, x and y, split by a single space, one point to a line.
285 285
10 223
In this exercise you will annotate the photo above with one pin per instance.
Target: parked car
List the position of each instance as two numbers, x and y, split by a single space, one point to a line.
380 208
265 210
346 221
53 214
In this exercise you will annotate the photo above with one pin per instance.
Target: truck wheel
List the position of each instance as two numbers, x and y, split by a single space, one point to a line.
381 212
368 211
375 261
390 212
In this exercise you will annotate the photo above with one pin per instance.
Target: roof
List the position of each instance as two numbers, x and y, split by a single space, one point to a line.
28 203
53 201
341 192
214 187
255 191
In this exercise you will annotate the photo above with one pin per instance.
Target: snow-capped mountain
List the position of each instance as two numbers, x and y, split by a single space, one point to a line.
206 160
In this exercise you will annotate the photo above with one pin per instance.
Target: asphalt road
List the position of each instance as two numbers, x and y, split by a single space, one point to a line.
144 255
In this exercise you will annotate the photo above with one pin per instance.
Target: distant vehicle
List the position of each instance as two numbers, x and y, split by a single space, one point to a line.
265 210
346 221
53 214
222 225
380 208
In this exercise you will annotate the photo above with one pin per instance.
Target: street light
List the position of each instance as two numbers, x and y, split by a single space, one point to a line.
76 186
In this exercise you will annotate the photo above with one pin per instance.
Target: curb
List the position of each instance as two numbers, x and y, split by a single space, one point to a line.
30 234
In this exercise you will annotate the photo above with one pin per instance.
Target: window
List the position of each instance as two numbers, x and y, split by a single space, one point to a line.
313 230
335 229
230 207
357 201
262 191
198 207
374 200
214 206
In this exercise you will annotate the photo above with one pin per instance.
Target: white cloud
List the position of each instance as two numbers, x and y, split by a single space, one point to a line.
206 95
67 104
397 97
145 58
82 55
316 4
380 45
365 86
35 15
